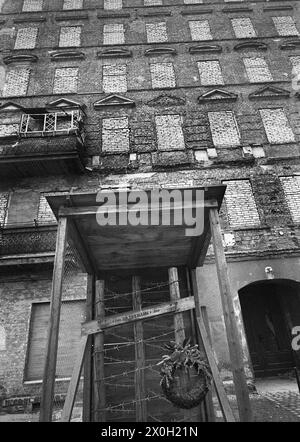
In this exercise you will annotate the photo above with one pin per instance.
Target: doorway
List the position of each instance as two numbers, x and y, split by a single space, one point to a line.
270 310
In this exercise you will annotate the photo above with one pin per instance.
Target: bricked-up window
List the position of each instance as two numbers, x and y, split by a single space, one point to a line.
162 75
285 26
22 207
113 4
200 30
156 32
169 132
65 80
113 34
45 214
277 126
153 2
32 5
72 315
295 60
3 207
73 4
9 129
26 38
291 188
192 2
16 82
210 72
257 70
115 135
243 28
224 129
241 207
70 36
114 78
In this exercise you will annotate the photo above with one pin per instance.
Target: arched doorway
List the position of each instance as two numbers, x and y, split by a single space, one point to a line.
270 309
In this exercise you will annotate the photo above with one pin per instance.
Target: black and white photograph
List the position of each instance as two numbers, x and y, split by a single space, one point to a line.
149 215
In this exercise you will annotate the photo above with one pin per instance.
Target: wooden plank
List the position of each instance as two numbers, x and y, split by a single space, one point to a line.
208 408
220 390
123 318
88 373
85 211
53 329
139 378
73 386
100 397
233 338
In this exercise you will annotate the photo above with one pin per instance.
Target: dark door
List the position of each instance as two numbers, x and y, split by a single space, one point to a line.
267 334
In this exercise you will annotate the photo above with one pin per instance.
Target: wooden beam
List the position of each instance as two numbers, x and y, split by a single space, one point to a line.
53 328
139 378
146 313
233 338
88 366
206 344
179 332
73 386
100 393
84 211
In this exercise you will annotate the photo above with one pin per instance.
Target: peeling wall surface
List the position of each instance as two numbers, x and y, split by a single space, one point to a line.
165 126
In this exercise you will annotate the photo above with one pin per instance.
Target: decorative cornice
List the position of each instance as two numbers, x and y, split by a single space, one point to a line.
160 51
68 17
29 19
114 100
114 53
66 55
102 15
204 48
217 95
196 11
268 92
10 106
229 9
255 45
64 103
290 44
155 13
278 8
20 58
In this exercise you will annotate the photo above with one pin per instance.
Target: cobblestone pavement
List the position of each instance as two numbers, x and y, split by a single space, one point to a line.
288 400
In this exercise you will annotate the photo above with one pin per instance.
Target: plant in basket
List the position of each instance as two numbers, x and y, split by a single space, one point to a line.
185 374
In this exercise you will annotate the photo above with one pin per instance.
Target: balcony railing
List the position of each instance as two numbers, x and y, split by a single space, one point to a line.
62 122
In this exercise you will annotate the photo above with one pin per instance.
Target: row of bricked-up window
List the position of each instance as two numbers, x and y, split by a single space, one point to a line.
169 129
114 34
241 207
163 76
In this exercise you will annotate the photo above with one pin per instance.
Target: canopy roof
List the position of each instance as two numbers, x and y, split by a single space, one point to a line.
115 247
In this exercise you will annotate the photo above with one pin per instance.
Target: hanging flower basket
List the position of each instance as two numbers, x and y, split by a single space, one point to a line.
185 375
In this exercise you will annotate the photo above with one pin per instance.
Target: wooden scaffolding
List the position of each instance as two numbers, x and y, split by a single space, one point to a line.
106 249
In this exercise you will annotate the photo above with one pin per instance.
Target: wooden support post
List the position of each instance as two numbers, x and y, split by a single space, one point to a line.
235 350
73 386
53 328
100 398
139 379
204 338
195 414
88 364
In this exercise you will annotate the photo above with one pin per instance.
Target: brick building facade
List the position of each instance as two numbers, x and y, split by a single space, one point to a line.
144 94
